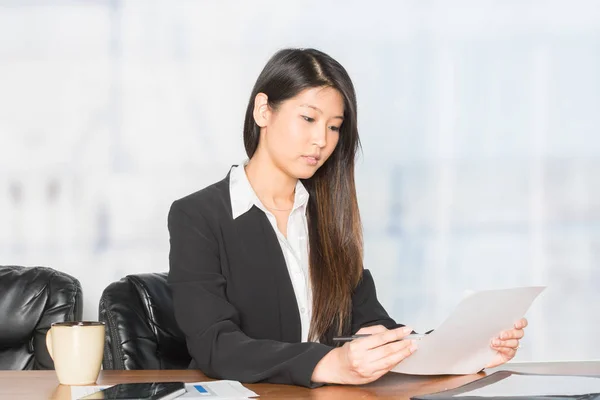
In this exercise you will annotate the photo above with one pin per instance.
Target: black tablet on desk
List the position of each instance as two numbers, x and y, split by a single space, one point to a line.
140 391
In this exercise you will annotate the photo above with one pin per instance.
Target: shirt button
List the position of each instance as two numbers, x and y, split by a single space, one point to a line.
303 310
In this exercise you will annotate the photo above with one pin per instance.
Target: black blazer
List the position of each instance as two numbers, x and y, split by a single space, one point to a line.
234 299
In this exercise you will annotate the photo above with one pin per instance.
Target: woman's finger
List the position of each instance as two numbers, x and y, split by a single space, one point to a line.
380 339
512 334
371 330
508 352
386 350
372 377
522 323
511 343
389 362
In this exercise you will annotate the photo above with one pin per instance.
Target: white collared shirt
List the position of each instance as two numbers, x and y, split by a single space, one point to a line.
294 247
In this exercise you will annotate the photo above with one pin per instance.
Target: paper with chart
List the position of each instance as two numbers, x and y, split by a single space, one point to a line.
461 345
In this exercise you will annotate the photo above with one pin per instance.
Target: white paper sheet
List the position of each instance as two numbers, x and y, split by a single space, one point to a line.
216 390
461 345
536 385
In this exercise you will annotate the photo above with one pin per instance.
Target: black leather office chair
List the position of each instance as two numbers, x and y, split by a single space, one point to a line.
31 299
141 332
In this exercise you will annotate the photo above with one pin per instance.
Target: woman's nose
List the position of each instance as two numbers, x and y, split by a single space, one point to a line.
320 137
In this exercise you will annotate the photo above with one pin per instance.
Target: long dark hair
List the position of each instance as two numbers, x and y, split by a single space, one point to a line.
335 232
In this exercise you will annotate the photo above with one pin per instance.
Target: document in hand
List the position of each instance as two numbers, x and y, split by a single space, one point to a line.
461 345
510 385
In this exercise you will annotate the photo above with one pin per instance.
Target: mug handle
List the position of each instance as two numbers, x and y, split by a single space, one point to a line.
49 342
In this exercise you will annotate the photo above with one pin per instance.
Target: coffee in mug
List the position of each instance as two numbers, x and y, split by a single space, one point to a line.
76 349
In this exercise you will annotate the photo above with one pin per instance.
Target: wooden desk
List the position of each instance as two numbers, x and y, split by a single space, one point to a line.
31 385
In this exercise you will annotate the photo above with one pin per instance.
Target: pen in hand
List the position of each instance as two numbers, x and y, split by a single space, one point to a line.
412 336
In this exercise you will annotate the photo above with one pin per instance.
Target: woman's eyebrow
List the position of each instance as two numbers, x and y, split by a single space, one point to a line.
319 110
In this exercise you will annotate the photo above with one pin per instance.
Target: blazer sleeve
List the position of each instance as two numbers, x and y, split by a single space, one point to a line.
211 324
366 309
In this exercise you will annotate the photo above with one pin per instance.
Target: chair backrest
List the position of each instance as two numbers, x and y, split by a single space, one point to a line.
141 332
31 299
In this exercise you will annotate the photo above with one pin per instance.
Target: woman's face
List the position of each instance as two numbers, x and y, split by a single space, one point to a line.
302 132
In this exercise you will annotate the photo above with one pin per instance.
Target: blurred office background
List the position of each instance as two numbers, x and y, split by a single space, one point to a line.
479 121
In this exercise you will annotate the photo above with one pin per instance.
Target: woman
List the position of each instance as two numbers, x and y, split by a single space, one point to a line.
266 265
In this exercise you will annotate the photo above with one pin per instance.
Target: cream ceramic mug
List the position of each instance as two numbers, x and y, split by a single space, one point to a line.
76 349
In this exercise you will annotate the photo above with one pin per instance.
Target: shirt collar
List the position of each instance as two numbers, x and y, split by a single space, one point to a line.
243 196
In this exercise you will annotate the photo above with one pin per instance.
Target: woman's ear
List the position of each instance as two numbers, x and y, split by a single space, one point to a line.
261 111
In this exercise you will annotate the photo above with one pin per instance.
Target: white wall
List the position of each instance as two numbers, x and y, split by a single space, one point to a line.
479 123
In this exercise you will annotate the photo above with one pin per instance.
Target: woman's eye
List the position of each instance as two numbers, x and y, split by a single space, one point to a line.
308 119
335 128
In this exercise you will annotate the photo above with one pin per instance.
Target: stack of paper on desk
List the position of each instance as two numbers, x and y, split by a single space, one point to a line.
461 345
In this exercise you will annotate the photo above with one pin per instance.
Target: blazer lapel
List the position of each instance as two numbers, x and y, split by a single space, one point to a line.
264 255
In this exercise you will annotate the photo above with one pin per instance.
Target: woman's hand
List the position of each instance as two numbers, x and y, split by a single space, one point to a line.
366 359
507 343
